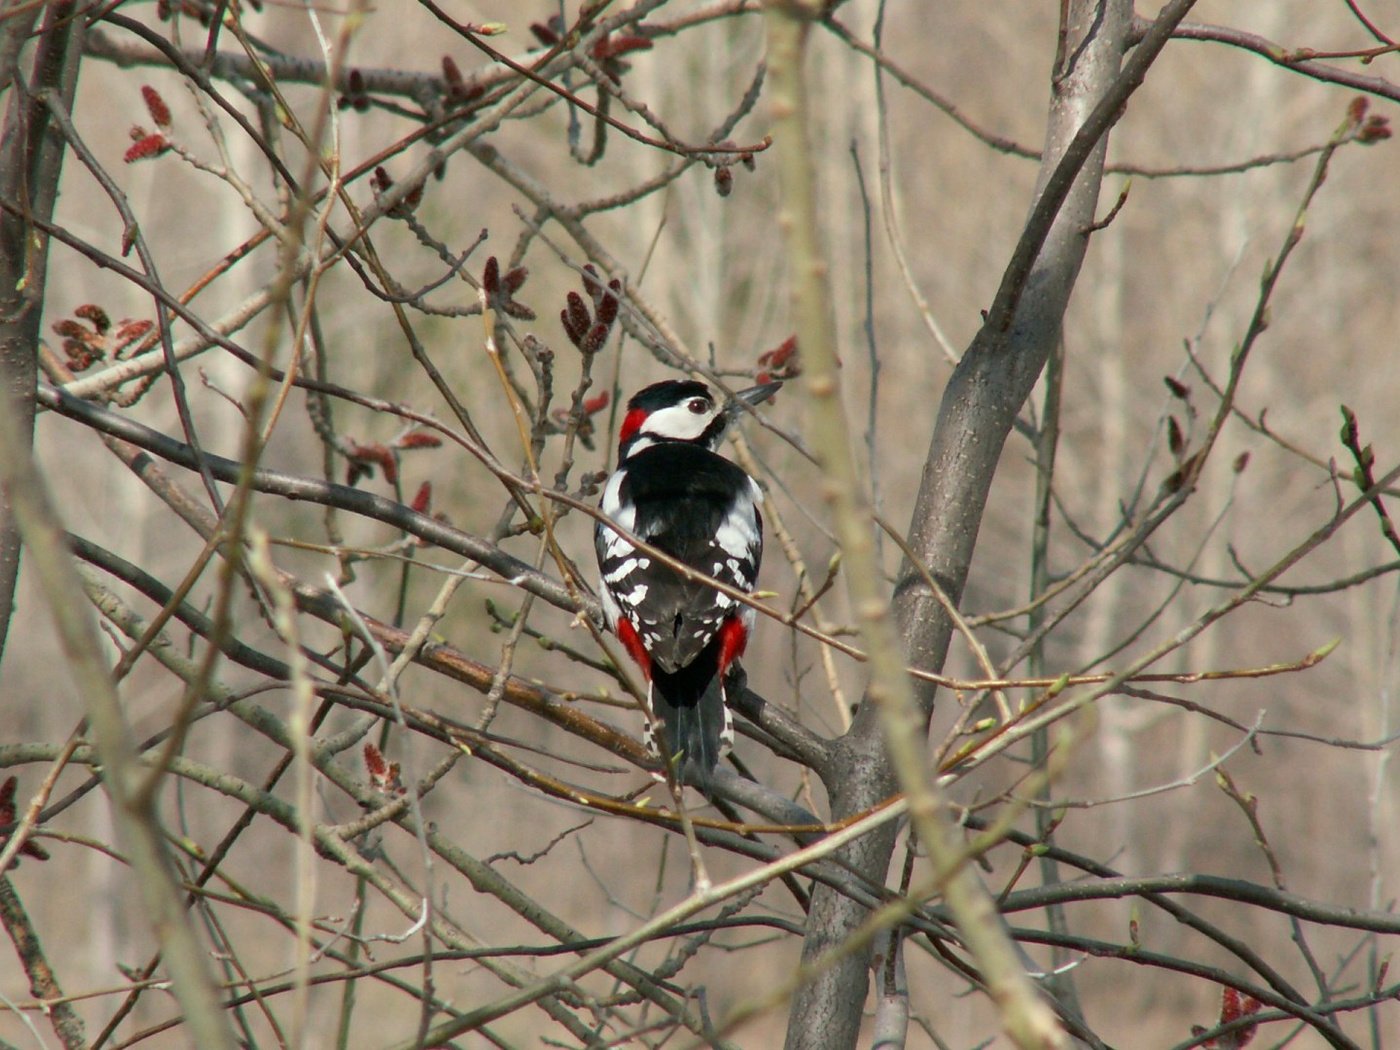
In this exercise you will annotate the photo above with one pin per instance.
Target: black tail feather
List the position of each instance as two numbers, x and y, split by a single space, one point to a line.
692 721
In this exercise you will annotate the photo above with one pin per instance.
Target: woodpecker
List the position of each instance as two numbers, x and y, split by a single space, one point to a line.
672 490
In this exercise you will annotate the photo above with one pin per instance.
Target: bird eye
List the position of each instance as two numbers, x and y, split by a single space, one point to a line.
699 405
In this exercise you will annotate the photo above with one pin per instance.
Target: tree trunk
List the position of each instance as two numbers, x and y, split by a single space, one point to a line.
980 403
31 158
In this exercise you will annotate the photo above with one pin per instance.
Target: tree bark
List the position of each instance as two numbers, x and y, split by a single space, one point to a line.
979 406
31 159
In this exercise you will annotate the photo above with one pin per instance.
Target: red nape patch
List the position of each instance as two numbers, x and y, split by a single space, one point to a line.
733 636
632 642
631 423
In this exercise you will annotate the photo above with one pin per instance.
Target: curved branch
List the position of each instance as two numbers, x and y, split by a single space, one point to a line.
312 490
1297 60
1237 890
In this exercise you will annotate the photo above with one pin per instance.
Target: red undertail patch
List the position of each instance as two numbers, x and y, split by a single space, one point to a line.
733 636
632 642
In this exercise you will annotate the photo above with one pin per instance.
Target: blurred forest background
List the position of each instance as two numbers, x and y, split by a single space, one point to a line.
921 209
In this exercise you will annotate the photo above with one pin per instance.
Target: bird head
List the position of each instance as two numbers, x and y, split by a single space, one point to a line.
683 410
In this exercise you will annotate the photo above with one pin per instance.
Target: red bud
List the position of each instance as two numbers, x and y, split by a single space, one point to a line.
148 146
155 106
423 498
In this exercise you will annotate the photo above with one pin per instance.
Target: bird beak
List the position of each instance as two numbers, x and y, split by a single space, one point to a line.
754 395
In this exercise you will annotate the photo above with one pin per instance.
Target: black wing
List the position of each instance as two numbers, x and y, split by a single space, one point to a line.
701 509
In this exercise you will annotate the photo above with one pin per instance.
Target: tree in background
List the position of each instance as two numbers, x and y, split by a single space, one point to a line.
299 462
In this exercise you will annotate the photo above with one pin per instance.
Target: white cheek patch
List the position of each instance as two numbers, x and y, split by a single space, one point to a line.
677 422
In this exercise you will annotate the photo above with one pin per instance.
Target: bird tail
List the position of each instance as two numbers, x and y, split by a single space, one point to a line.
691 721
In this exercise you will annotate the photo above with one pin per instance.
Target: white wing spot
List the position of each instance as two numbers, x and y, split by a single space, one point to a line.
736 536
621 570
